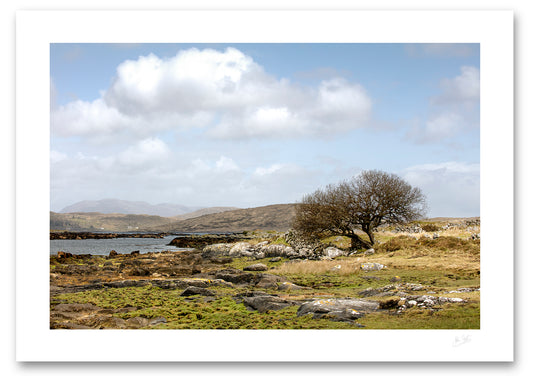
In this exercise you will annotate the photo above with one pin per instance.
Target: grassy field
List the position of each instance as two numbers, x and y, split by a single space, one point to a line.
447 266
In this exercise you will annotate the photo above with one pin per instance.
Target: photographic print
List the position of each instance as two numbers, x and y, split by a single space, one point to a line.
301 185
264 186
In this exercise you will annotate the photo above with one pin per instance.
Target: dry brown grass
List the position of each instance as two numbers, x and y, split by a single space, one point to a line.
347 266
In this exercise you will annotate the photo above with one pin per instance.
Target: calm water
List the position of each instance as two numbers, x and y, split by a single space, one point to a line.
121 245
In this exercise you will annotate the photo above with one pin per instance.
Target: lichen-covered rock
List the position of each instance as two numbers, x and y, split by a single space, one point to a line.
371 266
241 249
333 252
346 310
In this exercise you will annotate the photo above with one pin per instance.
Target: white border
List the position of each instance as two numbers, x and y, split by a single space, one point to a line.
36 30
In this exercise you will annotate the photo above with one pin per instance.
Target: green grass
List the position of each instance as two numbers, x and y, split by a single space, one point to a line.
452 316
440 265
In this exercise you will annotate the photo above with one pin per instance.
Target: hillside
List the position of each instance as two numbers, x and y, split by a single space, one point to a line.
119 222
204 211
104 222
272 217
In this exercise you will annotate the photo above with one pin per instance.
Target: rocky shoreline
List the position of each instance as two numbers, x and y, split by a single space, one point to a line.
208 273
67 235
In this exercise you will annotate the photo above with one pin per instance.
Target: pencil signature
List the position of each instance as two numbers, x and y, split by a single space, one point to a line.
461 340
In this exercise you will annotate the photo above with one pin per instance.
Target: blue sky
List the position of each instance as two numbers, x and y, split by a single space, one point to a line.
256 124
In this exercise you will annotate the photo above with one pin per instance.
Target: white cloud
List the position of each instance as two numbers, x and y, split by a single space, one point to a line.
452 188
463 89
145 151
225 92
439 128
225 164
56 156
455 110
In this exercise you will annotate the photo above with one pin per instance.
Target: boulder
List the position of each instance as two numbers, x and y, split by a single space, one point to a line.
370 251
371 266
268 281
192 290
241 249
235 276
288 286
266 303
256 268
332 252
216 250
346 310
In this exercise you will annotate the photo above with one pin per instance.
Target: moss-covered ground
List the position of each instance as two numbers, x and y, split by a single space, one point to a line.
440 266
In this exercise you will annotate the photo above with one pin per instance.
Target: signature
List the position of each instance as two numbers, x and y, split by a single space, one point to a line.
461 340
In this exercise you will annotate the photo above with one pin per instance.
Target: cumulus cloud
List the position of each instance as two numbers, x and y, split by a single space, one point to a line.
454 111
452 188
463 89
146 151
439 128
227 93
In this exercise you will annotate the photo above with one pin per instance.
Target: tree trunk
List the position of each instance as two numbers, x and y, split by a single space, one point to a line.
370 236
358 243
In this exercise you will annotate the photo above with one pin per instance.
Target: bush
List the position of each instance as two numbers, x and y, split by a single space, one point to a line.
430 227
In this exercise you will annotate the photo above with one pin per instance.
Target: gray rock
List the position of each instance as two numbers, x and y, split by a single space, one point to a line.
192 290
288 286
371 266
275 259
332 252
256 268
268 281
370 251
266 303
338 309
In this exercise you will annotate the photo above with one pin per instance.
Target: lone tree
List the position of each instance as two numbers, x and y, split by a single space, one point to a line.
361 203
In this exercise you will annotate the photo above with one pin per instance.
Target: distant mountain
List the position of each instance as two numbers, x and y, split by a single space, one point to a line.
272 217
109 206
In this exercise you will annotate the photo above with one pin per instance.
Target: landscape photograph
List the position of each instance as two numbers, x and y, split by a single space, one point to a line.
265 186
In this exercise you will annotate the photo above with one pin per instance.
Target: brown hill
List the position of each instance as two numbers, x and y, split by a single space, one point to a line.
272 217
104 222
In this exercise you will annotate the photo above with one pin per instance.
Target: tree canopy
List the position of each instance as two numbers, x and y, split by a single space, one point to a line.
361 203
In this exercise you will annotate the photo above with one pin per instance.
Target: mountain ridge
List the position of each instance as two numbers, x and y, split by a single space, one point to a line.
112 206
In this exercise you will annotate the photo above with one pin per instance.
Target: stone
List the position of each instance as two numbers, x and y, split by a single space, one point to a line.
140 272
332 252
370 251
268 281
288 286
241 249
338 309
372 266
113 253
234 276
275 259
266 303
256 268
192 290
